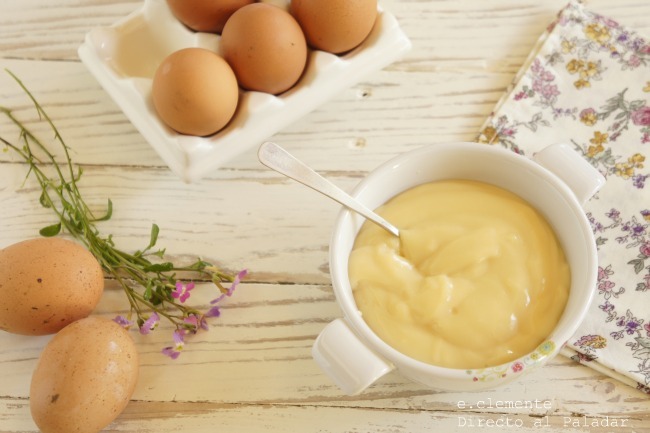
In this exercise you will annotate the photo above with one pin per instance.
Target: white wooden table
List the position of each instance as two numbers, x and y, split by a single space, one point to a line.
253 372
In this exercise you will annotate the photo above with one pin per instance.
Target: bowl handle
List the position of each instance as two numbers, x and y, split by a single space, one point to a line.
346 359
578 174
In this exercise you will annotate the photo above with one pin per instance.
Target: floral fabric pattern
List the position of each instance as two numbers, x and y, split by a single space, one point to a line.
587 83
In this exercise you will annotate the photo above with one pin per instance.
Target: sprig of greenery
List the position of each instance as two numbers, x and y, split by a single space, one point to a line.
148 281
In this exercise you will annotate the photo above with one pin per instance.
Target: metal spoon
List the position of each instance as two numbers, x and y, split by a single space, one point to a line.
278 159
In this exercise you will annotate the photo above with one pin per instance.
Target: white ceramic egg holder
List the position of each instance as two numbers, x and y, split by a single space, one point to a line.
258 116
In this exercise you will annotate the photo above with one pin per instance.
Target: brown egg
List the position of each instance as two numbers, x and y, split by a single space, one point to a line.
84 378
335 26
265 47
47 283
205 15
195 91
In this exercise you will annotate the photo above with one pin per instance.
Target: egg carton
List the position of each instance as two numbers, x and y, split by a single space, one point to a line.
124 56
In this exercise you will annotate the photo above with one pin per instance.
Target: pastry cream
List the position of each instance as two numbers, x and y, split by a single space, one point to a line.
477 278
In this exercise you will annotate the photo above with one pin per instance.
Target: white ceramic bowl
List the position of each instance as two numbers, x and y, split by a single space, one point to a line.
349 351
123 58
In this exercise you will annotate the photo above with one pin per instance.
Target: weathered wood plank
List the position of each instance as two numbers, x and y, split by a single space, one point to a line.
200 417
258 352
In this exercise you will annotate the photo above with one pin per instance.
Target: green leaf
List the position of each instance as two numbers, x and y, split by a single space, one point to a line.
154 236
641 353
108 214
645 342
50 231
147 293
198 265
635 105
161 294
159 267
638 265
43 199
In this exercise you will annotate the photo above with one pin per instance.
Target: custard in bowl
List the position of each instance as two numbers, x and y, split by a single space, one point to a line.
493 271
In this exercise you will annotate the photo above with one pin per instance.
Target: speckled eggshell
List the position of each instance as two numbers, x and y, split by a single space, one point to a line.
46 284
84 378
205 15
195 91
266 48
335 26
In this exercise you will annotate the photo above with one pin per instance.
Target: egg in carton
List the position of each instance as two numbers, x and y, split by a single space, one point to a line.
124 57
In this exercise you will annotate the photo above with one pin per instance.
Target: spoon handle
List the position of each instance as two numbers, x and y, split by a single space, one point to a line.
278 159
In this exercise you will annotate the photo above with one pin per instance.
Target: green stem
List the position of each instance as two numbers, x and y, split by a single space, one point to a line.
62 195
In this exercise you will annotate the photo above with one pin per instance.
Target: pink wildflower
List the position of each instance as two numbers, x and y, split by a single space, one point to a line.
123 322
179 342
182 291
150 324
196 322
215 311
232 287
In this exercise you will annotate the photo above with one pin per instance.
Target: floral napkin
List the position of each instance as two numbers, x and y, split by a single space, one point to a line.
587 83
